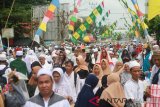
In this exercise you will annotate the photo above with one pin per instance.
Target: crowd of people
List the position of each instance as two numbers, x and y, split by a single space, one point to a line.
110 75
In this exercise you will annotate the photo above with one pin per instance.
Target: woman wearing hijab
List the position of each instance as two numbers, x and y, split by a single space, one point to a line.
105 55
105 67
97 70
114 90
118 66
81 68
61 85
125 56
86 94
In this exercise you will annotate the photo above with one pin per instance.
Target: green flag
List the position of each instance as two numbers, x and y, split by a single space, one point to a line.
73 18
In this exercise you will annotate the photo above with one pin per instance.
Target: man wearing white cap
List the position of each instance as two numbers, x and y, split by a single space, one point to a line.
44 63
18 64
46 96
134 88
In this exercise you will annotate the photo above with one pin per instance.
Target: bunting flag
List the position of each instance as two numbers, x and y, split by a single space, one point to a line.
89 20
147 36
137 8
48 15
104 18
109 30
153 8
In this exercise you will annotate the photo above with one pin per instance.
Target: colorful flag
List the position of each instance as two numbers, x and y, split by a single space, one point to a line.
52 8
37 38
76 35
73 18
56 3
43 26
89 20
153 8
82 27
137 8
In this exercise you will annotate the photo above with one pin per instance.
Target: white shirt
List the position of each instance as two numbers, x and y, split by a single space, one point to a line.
134 90
75 90
154 71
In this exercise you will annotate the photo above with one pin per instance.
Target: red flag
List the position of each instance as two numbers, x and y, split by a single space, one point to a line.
71 23
75 10
49 14
109 11
103 4
139 13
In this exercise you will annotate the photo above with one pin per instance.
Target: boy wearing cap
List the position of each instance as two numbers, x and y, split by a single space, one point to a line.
134 88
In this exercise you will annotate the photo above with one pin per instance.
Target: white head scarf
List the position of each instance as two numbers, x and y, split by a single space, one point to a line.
63 87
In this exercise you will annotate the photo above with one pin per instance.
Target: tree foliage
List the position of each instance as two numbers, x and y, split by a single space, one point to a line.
21 13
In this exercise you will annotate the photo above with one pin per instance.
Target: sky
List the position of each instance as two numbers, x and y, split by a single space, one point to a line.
118 12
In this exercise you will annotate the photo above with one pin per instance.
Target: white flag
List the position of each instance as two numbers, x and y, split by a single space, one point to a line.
36 38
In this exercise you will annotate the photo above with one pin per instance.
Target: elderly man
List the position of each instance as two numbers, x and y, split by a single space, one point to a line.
46 97
44 63
134 88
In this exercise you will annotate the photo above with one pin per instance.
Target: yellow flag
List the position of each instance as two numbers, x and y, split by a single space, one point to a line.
82 27
89 20
71 28
137 34
52 7
144 26
76 35
43 26
153 8
95 12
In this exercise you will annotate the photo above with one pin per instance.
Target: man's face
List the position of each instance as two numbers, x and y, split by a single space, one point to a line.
35 71
42 60
45 84
157 61
56 77
69 67
61 56
135 72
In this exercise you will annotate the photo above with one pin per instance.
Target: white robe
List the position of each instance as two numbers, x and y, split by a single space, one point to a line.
134 90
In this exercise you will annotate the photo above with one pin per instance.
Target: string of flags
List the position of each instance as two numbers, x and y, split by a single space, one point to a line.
89 20
139 13
109 30
104 18
49 14
73 18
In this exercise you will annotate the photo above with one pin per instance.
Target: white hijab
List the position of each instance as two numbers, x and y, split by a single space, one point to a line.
63 87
